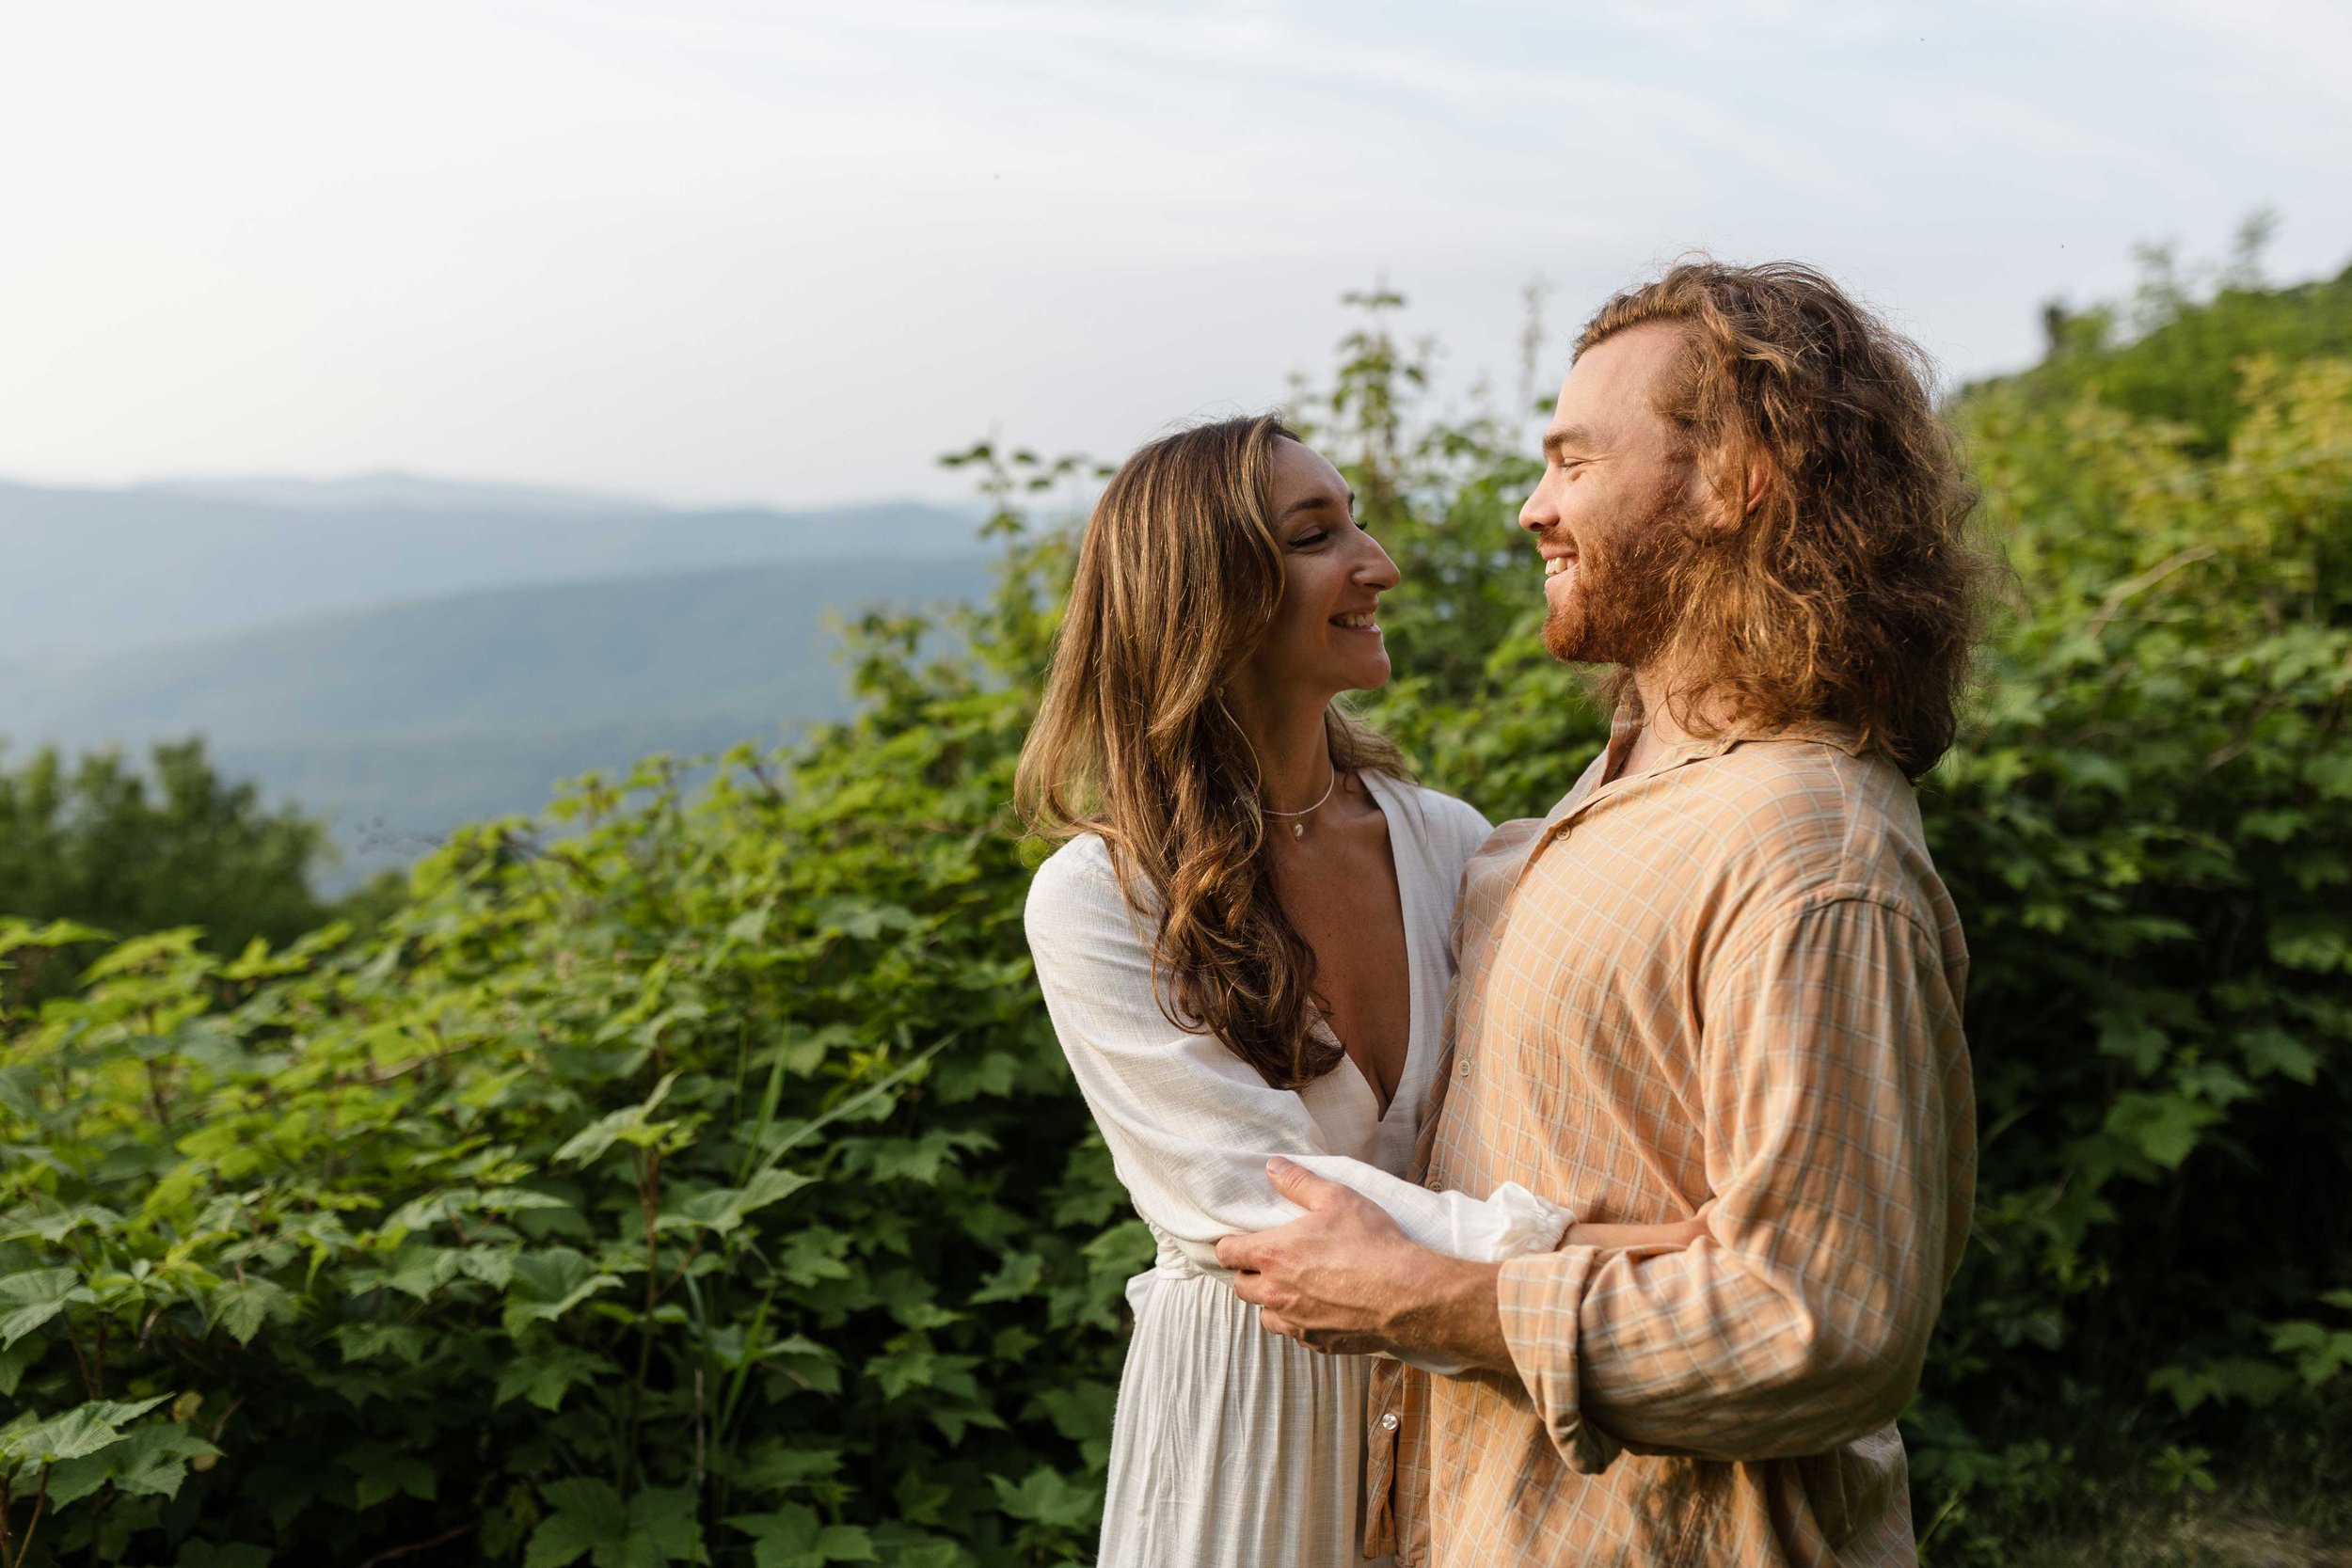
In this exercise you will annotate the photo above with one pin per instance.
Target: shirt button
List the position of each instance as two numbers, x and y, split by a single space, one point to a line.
1435 1185
1388 1421
1466 1069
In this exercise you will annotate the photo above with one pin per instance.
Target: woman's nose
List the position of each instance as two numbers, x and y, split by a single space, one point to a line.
1377 570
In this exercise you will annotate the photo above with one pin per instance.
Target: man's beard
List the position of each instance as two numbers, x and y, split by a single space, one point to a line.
1632 587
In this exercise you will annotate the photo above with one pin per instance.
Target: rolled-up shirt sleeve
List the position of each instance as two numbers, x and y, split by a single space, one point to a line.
1834 1082
1190 1125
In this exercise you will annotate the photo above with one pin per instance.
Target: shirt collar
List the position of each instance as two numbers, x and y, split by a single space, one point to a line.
1626 724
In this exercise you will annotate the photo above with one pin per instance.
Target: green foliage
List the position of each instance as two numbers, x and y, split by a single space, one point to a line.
100 842
2174 355
700 1185
704 1185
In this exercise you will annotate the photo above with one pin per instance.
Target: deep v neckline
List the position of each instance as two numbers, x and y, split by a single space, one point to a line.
1379 787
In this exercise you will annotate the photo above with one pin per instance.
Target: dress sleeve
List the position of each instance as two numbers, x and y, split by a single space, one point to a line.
1190 1125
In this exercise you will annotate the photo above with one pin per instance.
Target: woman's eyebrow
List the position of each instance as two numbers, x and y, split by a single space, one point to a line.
1306 503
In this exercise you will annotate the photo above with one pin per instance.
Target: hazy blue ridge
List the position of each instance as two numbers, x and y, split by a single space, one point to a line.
399 655
93 571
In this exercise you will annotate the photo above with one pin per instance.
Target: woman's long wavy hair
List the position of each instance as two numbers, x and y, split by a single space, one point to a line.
1854 592
1179 577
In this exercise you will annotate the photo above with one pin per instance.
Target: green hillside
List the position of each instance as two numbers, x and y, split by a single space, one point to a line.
398 723
2174 356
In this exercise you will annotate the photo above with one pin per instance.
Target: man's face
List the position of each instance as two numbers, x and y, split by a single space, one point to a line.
1611 515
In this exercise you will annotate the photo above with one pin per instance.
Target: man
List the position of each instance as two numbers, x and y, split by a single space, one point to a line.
1721 980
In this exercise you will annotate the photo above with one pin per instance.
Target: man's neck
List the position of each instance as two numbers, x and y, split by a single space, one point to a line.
1657 732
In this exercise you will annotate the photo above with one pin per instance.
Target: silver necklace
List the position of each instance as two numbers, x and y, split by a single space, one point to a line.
1298 828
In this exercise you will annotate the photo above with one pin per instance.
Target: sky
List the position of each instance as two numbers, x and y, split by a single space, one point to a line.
715 251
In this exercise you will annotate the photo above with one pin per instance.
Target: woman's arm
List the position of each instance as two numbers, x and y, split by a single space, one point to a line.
1190 1125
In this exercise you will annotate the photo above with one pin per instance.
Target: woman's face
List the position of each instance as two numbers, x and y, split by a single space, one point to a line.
1326 637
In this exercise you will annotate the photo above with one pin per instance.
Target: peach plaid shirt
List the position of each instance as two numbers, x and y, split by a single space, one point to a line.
1731 983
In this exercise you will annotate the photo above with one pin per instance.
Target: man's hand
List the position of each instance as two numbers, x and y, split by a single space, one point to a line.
1342 1277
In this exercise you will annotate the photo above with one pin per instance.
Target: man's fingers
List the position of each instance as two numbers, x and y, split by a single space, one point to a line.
1303 1186
1237 1252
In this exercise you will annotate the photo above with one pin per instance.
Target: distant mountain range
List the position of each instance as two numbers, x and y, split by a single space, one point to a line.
92 571
400 655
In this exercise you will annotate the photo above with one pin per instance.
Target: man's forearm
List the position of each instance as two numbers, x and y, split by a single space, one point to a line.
1447 1309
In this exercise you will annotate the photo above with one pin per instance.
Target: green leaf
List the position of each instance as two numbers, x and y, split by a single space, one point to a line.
587 1514
722 1209
84 1430
545 1376
793 1537
2163 1127
655 1527
152 1460
57 1226
2134 1039
2314 942
241 1307
31 1299
1047 1497
2235 1377
381 1472
775 1465
2320 1353
2271 1049
15 1358
632 1125
1016 1277
548 1284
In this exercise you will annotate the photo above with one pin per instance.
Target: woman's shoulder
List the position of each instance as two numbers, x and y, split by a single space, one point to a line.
1452 829
1075 884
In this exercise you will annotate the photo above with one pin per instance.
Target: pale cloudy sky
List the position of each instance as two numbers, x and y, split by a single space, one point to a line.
717 249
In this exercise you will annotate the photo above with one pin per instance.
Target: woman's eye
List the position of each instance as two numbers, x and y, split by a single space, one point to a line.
1304 540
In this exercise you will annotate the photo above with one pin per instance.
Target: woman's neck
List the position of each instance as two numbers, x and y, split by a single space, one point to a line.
1294 753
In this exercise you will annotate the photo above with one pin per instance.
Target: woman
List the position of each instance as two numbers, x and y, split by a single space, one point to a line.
1245 948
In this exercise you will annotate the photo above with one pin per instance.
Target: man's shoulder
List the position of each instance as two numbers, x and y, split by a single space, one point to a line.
1802 814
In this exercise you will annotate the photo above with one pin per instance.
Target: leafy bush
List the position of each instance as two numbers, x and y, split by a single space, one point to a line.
700 1185
696 1179
90 840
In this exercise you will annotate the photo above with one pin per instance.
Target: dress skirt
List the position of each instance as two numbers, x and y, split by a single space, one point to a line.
1232 1447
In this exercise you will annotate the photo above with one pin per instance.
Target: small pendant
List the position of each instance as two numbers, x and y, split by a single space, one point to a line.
1298 830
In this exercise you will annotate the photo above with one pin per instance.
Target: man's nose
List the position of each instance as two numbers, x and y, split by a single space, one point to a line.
1538 513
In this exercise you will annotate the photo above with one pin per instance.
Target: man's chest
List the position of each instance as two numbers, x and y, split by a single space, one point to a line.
1578 1047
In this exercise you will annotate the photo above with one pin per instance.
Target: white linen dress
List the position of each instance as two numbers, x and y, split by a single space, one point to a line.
1232 1448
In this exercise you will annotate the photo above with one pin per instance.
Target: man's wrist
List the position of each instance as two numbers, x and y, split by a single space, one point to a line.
1450 1309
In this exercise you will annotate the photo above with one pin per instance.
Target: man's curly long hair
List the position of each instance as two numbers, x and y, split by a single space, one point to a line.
1852 593
1179 577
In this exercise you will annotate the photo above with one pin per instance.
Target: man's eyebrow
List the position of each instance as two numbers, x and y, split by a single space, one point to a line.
1567 435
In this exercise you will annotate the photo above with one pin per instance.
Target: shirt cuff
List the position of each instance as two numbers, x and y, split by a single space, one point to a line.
1540 1298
